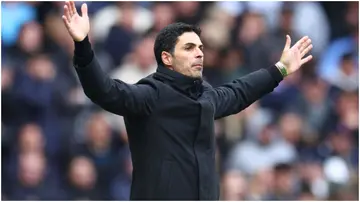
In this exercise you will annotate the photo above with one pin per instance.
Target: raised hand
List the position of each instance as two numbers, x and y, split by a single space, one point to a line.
293 58
77 26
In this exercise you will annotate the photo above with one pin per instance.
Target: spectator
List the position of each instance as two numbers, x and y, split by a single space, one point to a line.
14 15
346 77
82 180
284 183
32 181
234 186
103 148
263 153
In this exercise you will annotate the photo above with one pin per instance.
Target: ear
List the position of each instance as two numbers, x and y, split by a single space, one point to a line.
166 58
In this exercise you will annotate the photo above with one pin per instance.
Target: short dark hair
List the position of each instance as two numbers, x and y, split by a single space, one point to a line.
347 56
282 167
168 36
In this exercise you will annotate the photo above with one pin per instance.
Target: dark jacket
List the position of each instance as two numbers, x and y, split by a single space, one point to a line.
170 123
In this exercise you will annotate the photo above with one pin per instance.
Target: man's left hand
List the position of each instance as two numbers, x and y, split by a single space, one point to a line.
293 58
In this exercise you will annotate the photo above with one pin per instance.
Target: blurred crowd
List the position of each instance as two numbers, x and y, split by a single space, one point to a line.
298 143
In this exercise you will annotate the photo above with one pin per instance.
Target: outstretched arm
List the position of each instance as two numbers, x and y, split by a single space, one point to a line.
233 97
111 94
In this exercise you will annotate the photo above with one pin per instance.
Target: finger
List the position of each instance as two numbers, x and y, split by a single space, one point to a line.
306 50
73 7
71 10
304 45
307 59
68 5
66 22
84 10
299 43
288 43
67 13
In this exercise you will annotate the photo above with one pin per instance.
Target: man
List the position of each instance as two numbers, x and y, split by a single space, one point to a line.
170 114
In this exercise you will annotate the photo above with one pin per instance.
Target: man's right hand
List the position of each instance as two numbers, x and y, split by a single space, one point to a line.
77 26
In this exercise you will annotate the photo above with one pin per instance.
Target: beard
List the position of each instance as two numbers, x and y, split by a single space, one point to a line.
186 68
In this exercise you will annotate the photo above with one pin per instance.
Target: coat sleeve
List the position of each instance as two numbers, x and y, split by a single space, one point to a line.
112 95
235 96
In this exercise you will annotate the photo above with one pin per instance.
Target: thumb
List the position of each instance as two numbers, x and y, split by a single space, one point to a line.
84 10
288 43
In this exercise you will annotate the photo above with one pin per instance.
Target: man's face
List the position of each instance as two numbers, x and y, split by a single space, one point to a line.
188 55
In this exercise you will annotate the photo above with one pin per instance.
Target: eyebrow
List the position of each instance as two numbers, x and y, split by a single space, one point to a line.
192 44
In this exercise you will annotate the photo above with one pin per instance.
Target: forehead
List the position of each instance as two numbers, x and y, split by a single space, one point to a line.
189 37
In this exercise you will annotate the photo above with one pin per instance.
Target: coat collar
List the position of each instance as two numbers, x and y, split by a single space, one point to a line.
188 85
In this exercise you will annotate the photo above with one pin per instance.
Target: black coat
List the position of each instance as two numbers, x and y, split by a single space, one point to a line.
170 123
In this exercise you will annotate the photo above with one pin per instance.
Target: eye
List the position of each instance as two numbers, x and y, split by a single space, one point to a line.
188 48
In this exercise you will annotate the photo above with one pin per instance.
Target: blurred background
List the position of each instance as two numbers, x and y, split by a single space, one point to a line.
298 143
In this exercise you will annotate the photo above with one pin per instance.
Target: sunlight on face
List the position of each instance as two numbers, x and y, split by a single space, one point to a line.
188 55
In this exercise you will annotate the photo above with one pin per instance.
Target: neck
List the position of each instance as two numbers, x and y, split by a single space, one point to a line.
175 75
190 86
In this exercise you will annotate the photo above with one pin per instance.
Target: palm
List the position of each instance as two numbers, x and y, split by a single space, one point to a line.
292 57
78 26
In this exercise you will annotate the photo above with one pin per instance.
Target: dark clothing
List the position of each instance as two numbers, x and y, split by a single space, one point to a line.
107 163
120 188
169 119
46 190
35 99
77 194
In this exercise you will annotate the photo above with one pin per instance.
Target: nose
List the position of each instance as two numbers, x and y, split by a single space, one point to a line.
199 53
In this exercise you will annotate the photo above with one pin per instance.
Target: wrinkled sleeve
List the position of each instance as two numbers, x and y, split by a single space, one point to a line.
233 97
112 95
